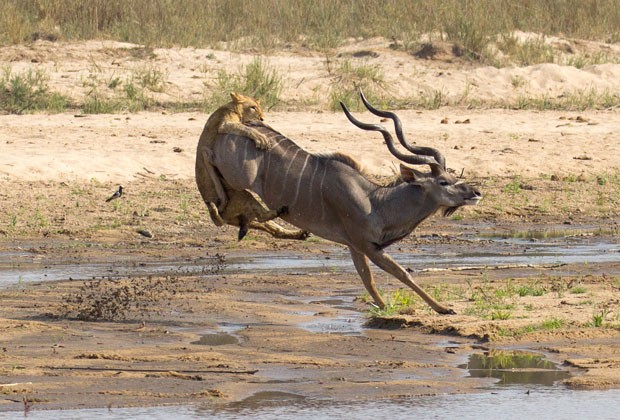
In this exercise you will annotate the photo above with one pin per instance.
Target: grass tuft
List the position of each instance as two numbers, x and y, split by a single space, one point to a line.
258 79
28 91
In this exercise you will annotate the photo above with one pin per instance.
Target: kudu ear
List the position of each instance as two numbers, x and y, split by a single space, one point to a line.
409 174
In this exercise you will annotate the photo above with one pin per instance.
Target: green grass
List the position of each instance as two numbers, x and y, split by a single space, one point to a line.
534 289
400 301
513 187
258 79
578 100
490 302
134 93
578 290
27 91
549 324
477 30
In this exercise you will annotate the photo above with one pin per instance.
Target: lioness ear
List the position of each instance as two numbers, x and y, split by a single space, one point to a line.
236 97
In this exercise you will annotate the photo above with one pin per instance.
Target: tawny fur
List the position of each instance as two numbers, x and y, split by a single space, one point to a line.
227 206
229 119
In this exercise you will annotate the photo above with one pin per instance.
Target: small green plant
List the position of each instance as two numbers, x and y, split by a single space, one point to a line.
500 315
114 82
258 79
28 91
432 99
150 78
552 324
513 187
578 290
98 103
401 301
598 318
491 303
602 179
534 289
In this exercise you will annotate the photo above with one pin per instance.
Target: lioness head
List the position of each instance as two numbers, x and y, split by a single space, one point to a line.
248 108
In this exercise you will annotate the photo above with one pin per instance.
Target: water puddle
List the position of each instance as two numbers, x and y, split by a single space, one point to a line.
514 368
20 268
507 404
266 399
342 324
218 339
347 321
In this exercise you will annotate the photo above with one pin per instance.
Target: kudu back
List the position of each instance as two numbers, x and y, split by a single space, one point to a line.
329 196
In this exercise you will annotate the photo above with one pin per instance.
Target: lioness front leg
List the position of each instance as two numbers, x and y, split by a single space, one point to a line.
261 141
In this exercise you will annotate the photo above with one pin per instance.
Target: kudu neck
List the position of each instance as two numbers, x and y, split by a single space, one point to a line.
403 204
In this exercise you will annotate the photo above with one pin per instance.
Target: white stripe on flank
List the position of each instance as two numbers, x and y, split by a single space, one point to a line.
317 163
300 176
271 155
321 192
285 179
245 151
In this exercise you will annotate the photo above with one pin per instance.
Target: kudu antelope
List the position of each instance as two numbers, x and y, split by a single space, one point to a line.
328 196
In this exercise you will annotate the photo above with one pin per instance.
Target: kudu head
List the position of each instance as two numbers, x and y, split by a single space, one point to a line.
442 187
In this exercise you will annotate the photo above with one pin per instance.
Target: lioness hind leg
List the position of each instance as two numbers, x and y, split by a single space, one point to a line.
278 231
207 156
215 214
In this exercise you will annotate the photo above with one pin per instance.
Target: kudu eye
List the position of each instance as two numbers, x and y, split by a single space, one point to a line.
444 183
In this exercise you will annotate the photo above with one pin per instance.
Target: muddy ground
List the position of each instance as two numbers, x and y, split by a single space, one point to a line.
141 301
216 335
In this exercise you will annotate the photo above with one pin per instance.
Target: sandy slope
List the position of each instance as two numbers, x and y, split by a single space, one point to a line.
121 147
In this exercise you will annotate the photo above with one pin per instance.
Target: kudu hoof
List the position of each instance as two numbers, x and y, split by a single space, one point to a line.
447 311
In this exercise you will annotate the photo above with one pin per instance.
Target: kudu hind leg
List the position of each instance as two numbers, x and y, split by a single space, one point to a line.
387 264
363 269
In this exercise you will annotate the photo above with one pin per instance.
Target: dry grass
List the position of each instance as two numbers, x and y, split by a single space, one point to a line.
317 24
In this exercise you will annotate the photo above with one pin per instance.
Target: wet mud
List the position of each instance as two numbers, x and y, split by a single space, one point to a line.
177 326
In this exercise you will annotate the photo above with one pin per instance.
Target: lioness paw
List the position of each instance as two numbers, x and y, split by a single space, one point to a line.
262 142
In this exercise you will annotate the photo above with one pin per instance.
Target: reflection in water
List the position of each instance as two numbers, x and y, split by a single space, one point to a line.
514 368
218 339
507 404
265 399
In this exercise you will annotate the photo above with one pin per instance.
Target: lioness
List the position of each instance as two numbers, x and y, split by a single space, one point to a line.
225 205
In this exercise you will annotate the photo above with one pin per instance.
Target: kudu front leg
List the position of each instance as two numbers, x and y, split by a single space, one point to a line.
363 269
387 264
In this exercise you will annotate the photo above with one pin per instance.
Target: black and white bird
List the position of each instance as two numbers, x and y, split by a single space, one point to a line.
116 195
